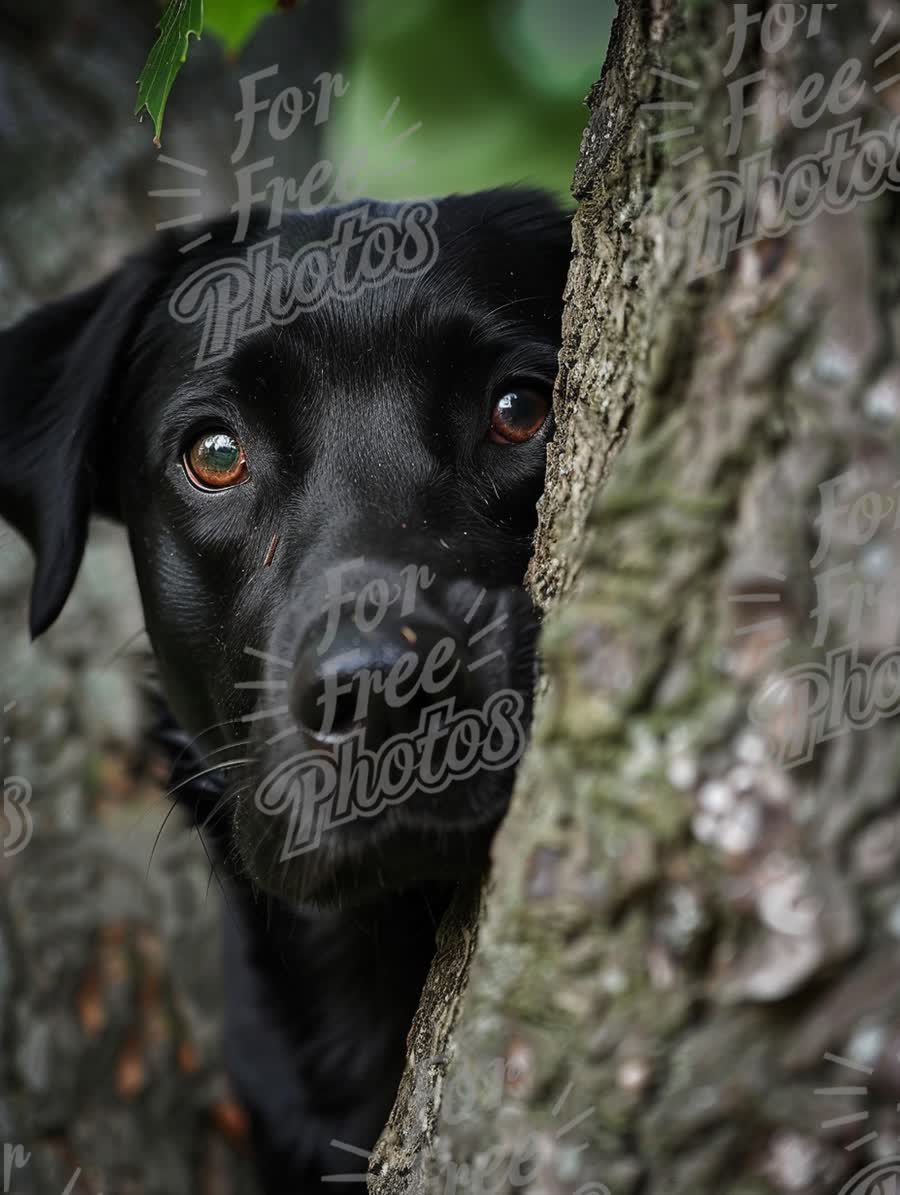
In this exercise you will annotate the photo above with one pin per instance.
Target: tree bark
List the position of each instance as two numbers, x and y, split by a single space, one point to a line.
684 975
110 968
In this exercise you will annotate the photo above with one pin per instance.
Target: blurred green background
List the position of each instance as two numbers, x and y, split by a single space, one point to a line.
497 84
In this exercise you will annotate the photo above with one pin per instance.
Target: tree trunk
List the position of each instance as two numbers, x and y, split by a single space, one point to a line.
685 974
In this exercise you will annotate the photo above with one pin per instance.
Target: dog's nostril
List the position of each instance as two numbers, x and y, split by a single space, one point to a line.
383 681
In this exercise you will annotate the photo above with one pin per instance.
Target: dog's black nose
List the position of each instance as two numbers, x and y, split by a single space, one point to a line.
385 681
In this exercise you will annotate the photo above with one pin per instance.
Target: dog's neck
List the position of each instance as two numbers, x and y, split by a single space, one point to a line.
318 1005
317 1013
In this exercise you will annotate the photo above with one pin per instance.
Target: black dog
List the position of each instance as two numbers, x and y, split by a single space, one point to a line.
330 519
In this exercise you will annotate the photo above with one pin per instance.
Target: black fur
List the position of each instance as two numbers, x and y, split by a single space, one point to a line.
365 422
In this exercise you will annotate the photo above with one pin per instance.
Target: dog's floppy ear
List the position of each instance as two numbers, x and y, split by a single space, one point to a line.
59 369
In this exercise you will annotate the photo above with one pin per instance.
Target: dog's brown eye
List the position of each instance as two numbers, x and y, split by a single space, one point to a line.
518 415
216 461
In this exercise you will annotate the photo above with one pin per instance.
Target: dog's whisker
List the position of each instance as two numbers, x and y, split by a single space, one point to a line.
208 755
215 875
118 653
219 767
227 747
157 838
207 730
212 873
218 805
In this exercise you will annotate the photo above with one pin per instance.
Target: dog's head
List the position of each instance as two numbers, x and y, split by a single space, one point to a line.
328 469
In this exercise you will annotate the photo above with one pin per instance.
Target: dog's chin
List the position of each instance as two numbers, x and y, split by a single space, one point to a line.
363 861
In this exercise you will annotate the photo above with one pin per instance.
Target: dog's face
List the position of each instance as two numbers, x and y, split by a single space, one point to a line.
330 527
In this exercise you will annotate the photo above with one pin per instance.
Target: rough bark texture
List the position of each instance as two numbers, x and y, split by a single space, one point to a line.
110 970
679 926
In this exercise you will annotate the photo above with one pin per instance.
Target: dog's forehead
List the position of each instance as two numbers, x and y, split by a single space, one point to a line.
424 326
376 254
472 284
396 357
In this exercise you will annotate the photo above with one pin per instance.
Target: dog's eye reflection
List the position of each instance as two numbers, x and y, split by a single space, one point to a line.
518 415
215 461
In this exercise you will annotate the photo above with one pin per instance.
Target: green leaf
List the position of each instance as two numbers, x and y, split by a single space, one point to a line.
233 21
179 21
